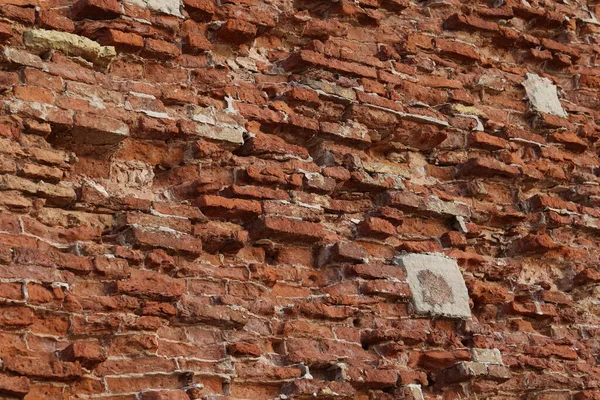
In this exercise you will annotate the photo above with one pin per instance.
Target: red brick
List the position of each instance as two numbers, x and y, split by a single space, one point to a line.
11 291
590 81
470 22
228 208
288 230
5 31
122 41
342 252
99 129
542 55
306 58
36 94
454 239
96 9
25 15
487 167
52 258
161 238
165 395
128 384
41 366
88 354
221 237
488 292
152 285
305 388
485 141
195 43
386 288
14 385
376 228
16 316
571 141
50 19
560 47
324 29
264 145
160 49
454 49
200 10
237 31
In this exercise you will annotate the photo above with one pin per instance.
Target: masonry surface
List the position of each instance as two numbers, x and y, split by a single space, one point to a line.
299 199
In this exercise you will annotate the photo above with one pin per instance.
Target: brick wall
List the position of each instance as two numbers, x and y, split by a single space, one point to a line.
299 199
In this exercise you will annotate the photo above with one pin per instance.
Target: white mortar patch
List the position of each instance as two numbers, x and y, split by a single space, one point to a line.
543 95
436 284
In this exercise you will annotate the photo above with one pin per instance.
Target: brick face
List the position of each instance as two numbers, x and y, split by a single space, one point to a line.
258 199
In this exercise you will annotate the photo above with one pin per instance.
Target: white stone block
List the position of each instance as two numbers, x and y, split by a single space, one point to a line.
437 285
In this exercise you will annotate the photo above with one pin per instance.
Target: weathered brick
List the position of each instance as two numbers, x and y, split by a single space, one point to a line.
14 385
96 9
164 238
122 41
237 31
151 284
88 354
228 208
160 49
487 167
288 230
42 366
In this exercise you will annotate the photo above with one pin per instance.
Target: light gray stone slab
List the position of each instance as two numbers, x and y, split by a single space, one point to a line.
491 356
172 7
542 95
437 285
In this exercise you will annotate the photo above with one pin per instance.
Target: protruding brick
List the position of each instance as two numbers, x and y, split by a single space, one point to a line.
237 31
122 41
96 9
288 230
165 395
217 206
376 228
14 385
88 354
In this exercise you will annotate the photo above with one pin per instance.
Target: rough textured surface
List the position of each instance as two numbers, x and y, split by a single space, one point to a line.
69 44
436 284
205 199
542 95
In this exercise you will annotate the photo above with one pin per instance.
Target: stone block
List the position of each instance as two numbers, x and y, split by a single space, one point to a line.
437 286
491 356
70 44
170 7
543 95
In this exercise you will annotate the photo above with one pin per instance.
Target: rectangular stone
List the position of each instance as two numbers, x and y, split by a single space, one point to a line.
436 284
543 95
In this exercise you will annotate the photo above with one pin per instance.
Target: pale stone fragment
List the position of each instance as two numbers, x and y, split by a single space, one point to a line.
436 284
171 7
543 95
70 44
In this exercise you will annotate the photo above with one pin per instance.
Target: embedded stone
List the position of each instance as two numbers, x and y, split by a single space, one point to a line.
491 356
436 284
171 7
543 95
70 44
